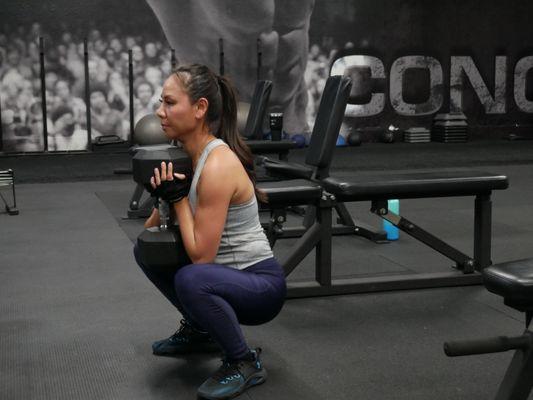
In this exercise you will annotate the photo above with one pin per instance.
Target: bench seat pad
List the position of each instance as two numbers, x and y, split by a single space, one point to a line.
287 170
291 192
512 280
413 185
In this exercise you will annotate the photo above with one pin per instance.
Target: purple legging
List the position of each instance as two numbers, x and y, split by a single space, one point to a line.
217 299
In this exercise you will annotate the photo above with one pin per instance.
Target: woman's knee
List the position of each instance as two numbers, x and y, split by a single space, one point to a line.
269 308
262 315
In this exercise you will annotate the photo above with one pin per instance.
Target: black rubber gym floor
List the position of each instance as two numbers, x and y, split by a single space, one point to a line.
77 316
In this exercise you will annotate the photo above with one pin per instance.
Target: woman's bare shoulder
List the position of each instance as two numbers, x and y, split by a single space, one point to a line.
222 157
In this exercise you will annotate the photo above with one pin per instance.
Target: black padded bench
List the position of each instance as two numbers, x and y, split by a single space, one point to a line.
514 282
413 185
379 188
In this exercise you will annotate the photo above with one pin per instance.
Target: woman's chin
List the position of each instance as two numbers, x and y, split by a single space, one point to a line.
168 132
172 136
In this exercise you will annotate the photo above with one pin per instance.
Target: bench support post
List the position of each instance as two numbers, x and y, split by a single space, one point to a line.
318 236
482 231
323 248
518 380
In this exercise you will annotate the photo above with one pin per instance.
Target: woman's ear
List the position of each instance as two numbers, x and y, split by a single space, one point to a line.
201 107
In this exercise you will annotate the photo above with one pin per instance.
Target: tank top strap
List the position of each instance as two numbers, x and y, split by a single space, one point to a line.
198 170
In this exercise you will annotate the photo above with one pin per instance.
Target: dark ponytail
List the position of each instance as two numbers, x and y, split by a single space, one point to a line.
199 81
228 132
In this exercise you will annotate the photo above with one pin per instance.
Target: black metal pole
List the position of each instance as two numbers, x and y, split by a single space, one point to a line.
1 129
221 54
130 82
87 94
259 59
13 187
43 93
173 61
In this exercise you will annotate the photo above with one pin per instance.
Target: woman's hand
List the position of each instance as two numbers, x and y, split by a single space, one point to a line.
164 175
166 187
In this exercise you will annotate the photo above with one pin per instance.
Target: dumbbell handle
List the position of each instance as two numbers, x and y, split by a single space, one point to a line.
164 213
489 345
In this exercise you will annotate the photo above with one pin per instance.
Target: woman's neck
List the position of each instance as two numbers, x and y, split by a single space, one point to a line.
195 145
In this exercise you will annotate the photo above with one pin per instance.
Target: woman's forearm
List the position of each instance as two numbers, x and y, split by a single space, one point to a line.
186 222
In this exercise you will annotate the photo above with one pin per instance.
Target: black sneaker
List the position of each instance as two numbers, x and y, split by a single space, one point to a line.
233 378
186 340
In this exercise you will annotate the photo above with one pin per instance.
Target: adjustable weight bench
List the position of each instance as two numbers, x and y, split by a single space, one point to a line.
377 189
304 191
319 233
514 282
317 163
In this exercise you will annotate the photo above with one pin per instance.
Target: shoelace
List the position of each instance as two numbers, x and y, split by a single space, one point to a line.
226 370
183 329
186 326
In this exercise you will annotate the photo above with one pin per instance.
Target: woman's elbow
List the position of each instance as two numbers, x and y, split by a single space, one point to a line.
204 258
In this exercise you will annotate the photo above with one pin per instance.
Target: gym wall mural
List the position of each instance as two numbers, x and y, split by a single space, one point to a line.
408 59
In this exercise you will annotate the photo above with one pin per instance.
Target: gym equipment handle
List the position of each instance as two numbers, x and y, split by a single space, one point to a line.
164 214
489 345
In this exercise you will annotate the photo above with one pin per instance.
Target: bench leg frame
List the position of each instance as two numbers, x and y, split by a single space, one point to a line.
318 235
345 225
482 234
518 380
462 261
482 231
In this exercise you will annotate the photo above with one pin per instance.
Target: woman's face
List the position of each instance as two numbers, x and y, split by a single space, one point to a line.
178 116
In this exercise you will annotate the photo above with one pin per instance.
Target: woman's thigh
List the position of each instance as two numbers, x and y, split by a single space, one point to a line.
255 298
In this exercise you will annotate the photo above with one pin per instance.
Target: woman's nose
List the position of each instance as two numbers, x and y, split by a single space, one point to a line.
159 112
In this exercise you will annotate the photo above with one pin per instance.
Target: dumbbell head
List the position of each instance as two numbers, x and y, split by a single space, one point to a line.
162 249
145 161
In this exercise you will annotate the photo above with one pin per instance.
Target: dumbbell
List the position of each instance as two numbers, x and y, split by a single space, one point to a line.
145 161
161 246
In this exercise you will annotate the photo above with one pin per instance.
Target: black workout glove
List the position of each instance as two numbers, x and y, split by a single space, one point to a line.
149 188
172 191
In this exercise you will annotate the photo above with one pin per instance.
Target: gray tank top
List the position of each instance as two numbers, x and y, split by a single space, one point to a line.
243 242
